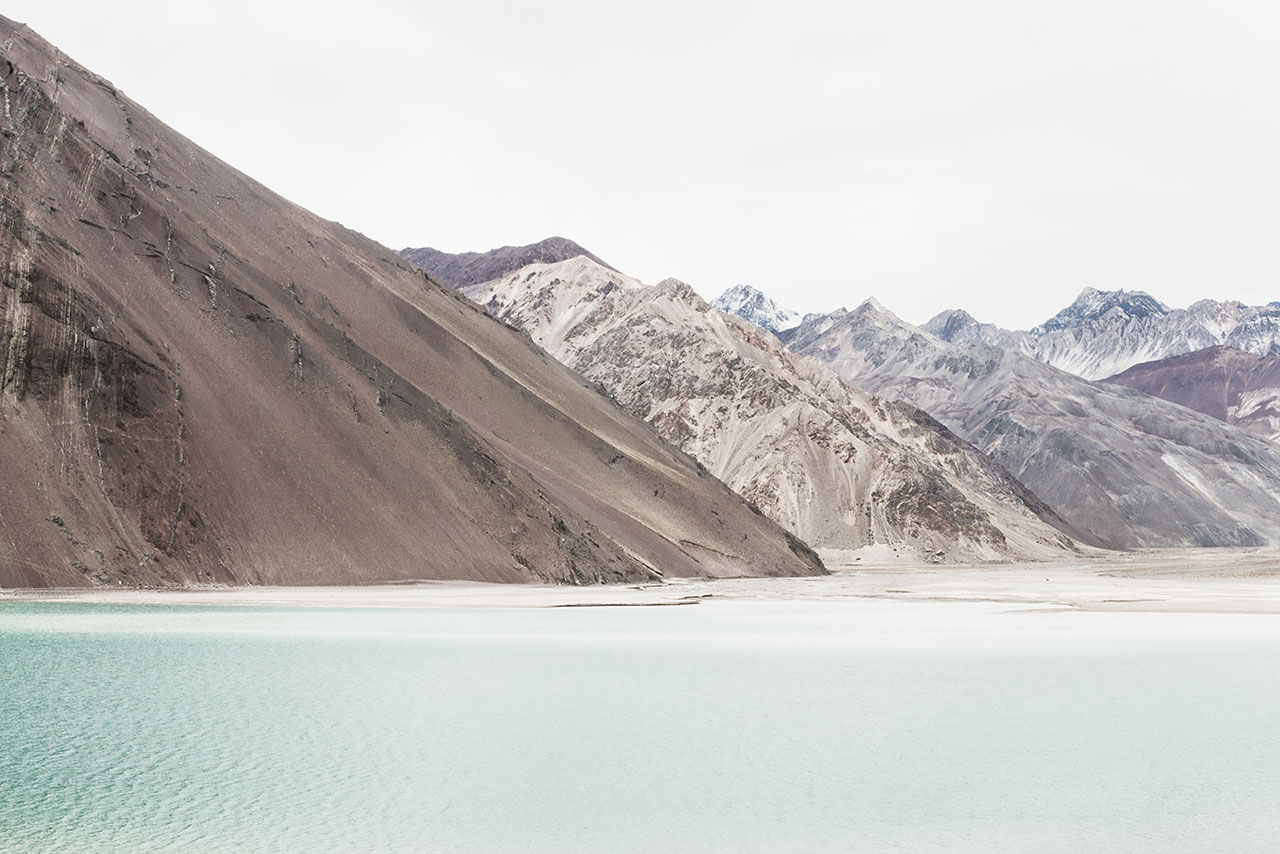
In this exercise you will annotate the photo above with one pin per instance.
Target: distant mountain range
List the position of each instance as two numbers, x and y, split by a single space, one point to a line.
201 382
1105 332
836 466
1132 469
1128 469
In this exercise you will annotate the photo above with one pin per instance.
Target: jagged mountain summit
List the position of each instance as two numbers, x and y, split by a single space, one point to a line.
471 268
1132 469
202 382
1231 385
838 467
1105 332
960 327
754 307
1093 305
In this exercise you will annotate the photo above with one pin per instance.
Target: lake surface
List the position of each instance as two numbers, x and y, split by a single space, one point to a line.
723 727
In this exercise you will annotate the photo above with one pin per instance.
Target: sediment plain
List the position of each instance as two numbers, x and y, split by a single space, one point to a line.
1194 581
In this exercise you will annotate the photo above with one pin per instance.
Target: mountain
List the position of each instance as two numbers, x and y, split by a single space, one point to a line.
1131 469
1222 382
959 327
202 382
754 307
1105 332
839 468
1093 306
472 268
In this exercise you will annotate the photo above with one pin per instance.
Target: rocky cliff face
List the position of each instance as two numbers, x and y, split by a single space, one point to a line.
201 382
754 307
1224 383
840 468
1105 332
1132 469
472 268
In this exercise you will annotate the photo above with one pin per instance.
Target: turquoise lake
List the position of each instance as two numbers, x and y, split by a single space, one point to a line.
722 727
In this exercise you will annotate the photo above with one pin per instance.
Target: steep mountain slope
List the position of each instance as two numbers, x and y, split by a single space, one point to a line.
754 307
1224 383
1105 332
472 268
838 467
1132 469
200 381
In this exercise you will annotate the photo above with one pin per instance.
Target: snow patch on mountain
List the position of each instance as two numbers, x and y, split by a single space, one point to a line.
754 307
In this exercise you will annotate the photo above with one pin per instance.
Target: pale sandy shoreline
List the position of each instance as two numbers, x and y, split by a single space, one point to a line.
1194 581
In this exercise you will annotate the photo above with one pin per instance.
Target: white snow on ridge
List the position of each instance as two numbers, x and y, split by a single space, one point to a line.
754 307
1104 333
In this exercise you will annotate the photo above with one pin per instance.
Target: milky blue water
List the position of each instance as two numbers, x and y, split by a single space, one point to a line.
749 727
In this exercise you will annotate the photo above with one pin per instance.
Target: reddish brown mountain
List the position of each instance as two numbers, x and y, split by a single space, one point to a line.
200 381
1230 385
472 268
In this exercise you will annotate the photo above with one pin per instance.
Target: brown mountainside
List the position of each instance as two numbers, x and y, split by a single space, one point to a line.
200 381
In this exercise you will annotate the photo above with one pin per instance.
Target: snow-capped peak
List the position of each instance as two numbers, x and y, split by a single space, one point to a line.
1093 303
753 306
1105 332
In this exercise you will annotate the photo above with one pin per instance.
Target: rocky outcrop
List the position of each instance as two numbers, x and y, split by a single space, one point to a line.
201 382
839 468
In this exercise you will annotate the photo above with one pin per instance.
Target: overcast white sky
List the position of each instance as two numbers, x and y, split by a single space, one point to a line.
996 155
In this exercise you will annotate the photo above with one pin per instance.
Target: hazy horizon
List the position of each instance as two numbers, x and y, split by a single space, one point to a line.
997 158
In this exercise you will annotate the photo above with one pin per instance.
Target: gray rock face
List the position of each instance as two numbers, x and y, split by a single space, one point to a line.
1094 305
1132 469
202 382
754 307
472 268
1105 332
1222 382
959 327
839 468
